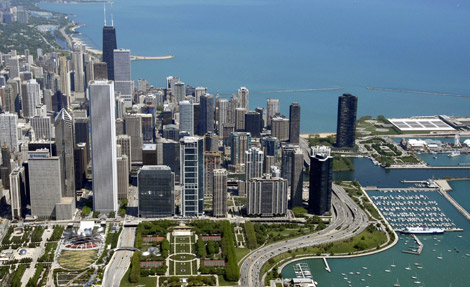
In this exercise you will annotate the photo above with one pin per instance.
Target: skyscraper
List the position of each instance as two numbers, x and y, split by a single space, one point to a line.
133 127
8 130
79 75
156 185
240 123
180 91
346 124
122 74
103 146
223 115
64 74
253 163
212 161
292 165
187 117
253 123
219 202
207 113
273 110
65 146
294 123
5 169
192 176
41 126
321 175
46 184
30 92
17 192
123 176
240 143
109 45
267 196
280 128
243 98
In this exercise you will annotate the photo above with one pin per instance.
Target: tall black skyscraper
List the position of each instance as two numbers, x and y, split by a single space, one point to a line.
321 175
109 45
206 122
346 125
294 122
253 123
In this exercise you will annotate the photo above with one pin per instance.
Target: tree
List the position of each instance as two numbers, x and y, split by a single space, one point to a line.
201 249
134 276
211 248
250 235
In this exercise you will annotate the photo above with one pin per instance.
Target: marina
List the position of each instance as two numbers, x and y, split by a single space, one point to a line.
404 208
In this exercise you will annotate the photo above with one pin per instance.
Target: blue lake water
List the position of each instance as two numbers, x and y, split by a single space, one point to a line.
277 45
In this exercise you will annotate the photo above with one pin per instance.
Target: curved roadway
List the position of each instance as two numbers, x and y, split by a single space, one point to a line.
348 221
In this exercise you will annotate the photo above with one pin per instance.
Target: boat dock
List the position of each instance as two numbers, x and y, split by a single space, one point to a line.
418 250
301 270
327 267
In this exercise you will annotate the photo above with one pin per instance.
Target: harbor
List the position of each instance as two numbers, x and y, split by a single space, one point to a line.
404 208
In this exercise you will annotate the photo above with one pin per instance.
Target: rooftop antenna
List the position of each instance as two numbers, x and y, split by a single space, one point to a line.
112 18
104 10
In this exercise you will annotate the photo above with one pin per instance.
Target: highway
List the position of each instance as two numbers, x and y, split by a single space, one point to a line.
121 260
348 220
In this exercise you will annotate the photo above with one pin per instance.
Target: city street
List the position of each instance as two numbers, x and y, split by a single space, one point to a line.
121 260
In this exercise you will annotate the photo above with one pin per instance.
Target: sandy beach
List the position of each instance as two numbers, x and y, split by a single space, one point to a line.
322 135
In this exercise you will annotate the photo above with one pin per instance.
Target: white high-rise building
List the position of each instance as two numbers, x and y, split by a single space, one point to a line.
30 92
8 130
187 117
254 163
103 146
243 98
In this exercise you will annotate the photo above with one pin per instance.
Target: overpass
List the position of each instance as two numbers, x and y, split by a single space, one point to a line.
126 248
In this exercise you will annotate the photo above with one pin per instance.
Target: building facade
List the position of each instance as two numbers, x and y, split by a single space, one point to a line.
156 186
267 196
103 146
192 176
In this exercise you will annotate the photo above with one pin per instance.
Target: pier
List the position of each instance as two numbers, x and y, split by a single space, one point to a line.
419 249
400 189
327 267
455 204
137 58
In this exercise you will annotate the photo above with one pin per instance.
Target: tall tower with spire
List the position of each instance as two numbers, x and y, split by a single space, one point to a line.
109 45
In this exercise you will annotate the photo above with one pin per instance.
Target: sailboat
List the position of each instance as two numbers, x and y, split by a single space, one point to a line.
396 284
393 264
440 256
409 267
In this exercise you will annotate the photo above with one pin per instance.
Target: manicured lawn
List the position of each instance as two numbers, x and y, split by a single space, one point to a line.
182 268
182 257
240 252
144 281
183 248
